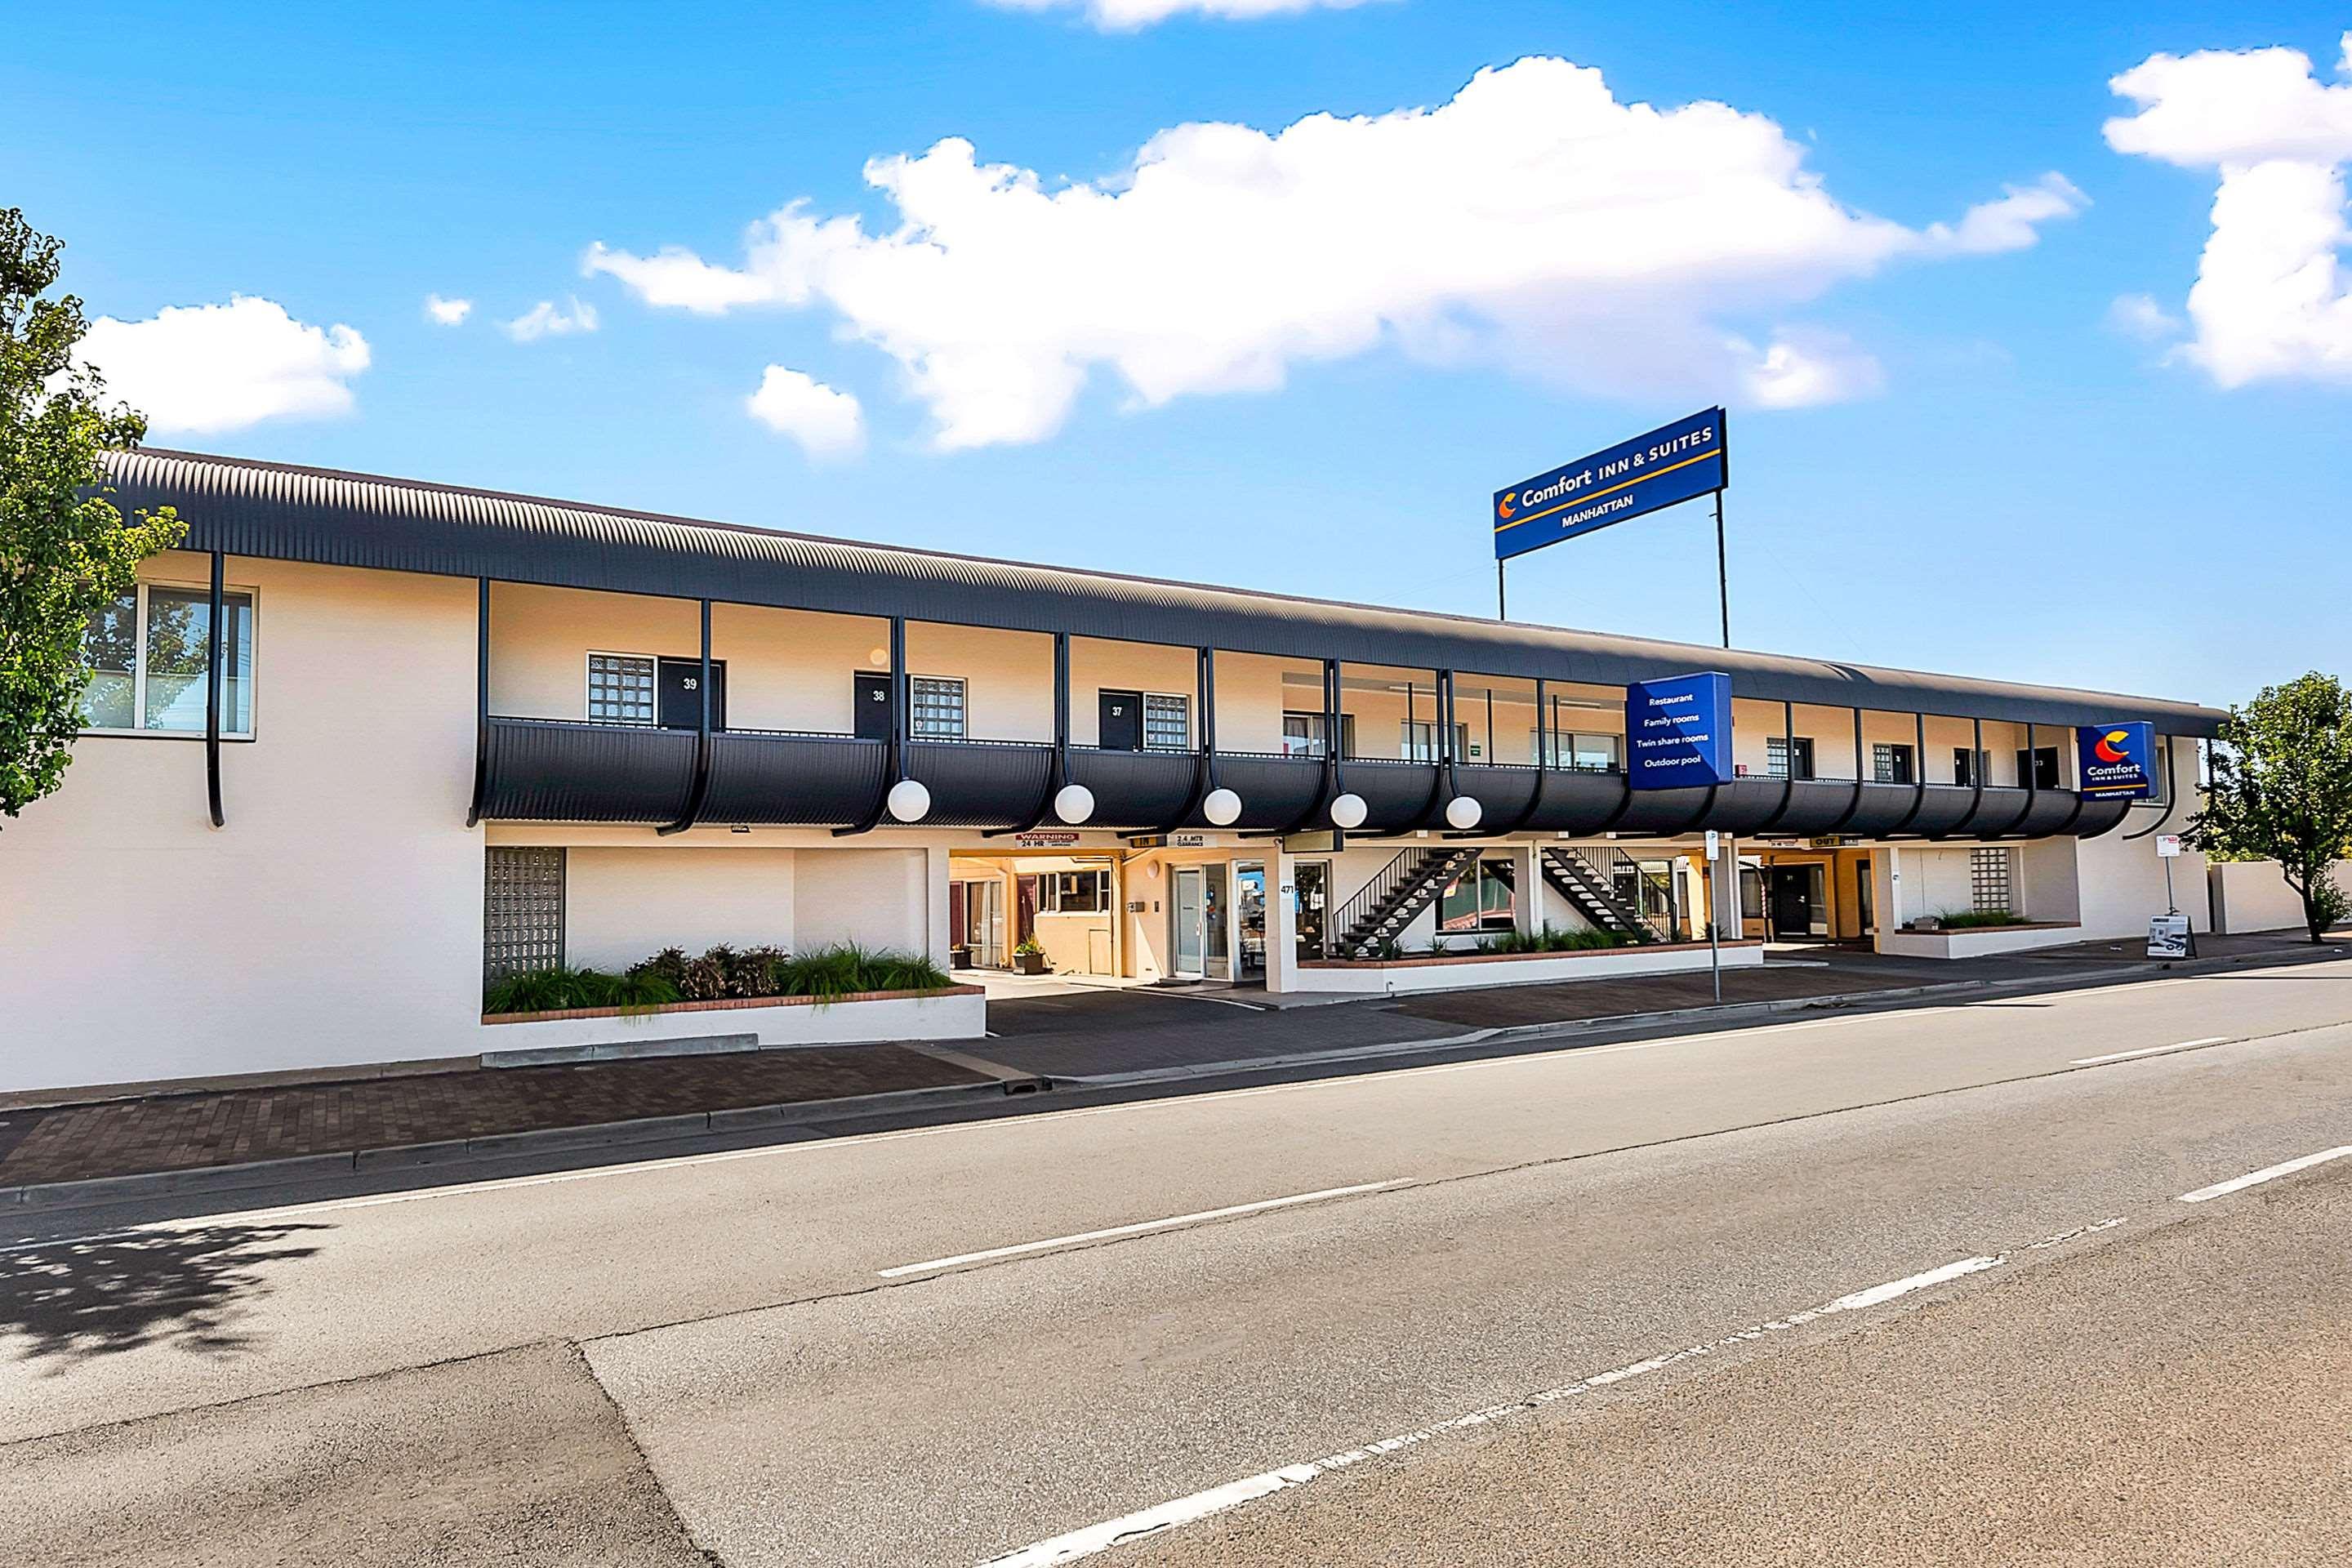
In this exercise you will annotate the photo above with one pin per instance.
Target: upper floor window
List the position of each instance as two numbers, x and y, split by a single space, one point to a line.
620 688
1777 751
1584 753
1968 766
150 653
1892 763
1419 740
936 707
1302 734
1167 722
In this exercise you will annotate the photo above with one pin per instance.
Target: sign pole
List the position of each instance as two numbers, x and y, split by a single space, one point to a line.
1500 613
1722 571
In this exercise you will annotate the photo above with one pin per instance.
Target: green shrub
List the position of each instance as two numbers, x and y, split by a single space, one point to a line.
722 972
1966 920
562 986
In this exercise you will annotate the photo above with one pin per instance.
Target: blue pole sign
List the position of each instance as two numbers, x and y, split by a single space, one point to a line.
2117 761
1673 463
1678 731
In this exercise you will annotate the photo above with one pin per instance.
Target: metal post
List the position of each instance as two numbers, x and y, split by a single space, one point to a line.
1500 613
1722 570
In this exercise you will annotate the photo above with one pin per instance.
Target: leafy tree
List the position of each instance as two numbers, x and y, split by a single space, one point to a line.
2282 790
66 553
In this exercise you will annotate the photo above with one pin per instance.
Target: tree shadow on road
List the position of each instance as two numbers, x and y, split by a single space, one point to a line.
70 1299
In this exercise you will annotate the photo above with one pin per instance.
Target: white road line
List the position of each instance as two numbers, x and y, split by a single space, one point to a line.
2150 1051
1095 1538
2268 1173
1138 1228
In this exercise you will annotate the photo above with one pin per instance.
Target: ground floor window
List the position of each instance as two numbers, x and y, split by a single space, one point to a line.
150 654
522 911
1484 898
1990 881
1075 893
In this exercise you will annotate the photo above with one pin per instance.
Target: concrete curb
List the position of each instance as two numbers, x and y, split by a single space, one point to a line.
455 1151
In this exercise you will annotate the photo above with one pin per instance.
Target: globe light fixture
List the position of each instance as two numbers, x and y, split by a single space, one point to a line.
1349 811
908 801
1464 813
1074 803
1222 807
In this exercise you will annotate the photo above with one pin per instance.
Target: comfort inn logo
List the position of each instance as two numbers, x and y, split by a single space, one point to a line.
1507 506
2109 747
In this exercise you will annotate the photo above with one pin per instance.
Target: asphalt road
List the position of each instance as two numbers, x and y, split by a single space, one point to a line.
792 1355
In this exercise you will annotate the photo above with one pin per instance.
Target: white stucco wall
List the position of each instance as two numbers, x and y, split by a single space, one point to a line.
2251 895
621 905
879 897
336 919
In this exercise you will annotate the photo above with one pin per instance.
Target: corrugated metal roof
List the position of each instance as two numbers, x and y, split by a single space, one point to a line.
271 510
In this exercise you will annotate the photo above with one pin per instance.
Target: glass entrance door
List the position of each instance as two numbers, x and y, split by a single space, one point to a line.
1187 962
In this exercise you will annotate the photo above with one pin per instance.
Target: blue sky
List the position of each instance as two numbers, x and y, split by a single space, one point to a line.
1995 479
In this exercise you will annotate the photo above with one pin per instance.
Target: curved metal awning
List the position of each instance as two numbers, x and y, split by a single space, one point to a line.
247 508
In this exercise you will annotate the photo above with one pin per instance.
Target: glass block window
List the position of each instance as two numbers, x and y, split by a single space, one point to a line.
936 711
1777 752
620 688
1168 723
1891 765
1989 879
522 911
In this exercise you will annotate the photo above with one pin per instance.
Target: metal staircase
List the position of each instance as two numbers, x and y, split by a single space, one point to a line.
1389 902
1592 893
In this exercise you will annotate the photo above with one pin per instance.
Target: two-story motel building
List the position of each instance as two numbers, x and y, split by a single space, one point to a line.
451 732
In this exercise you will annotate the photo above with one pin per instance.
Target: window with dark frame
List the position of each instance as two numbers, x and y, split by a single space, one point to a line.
1891 764
1167 723
620 688
1777 754
935 708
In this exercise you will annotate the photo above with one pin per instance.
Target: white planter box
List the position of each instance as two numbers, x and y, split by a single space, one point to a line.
1462 971
1976 942
694 1028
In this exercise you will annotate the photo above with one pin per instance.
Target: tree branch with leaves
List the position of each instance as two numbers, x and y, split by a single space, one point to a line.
2282 790
65 552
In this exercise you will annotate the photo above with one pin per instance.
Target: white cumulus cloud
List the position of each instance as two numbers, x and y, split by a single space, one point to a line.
207 368
2271 298
1533 222
544 321
825 421
1125 15
447 312
2139 316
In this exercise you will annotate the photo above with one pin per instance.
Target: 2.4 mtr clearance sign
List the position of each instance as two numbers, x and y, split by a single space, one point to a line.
1673 463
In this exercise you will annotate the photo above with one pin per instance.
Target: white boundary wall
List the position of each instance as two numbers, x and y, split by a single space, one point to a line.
2251 895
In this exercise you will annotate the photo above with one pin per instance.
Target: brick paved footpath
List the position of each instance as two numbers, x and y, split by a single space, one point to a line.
184 1131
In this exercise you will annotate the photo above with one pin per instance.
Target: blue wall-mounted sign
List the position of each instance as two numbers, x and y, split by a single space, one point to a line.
1672 463
1678 731
2117 761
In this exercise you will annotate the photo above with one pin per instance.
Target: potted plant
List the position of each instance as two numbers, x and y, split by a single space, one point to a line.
960 956
1029 956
